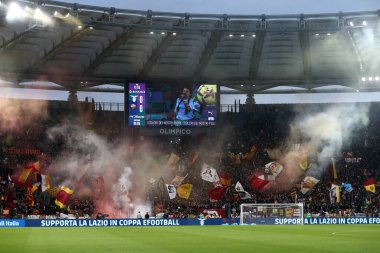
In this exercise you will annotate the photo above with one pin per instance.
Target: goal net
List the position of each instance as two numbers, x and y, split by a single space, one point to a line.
290 213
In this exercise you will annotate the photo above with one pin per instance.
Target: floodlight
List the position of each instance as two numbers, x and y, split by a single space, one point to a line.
225 17
149 14
15 12
112 11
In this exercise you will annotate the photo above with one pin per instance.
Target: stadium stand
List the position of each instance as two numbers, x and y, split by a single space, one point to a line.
102 45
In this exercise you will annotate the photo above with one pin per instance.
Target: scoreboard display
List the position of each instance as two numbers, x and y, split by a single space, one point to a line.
188 106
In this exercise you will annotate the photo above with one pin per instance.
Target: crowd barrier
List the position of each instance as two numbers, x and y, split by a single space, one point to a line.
182 222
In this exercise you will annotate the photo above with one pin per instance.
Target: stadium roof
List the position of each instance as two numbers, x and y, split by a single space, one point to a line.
80 46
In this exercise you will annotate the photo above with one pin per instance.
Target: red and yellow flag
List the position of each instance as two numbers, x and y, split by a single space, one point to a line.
63 196
369 185
225 178
27 171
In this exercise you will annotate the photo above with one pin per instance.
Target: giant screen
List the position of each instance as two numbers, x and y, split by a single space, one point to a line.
195 105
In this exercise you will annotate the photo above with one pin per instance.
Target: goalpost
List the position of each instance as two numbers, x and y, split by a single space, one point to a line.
251 212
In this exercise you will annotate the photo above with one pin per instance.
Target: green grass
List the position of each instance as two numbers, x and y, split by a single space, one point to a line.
194 239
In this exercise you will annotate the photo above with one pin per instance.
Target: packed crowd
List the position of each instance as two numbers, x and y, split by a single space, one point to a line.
225 148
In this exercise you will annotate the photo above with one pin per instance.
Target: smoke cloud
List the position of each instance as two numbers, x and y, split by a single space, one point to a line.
15 115
116 175
322 135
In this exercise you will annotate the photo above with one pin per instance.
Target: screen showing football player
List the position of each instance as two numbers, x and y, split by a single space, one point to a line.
184 106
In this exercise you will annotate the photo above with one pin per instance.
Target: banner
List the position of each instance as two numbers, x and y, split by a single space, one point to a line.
308 183
184 190
334 194
209 174
273 168
242 193
183 222
172 192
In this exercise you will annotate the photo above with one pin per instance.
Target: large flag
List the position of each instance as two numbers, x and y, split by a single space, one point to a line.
369 185
259 182
28 170
63 196
308 183
334 194
273 168
209 174
171 191
225 178
184 191
217 193
242 193
347 187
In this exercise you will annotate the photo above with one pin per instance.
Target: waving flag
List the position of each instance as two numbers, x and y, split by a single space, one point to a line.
184 191
273 168
242 193
171 191
225 178
28 170
334 194
63 196
347 187
44 181
369 185
308 183
209 174
259 182
217 193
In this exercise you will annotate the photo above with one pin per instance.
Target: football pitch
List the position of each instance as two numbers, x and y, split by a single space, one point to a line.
219 239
